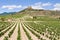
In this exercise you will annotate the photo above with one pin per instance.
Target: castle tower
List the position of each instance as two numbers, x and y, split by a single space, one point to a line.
29 7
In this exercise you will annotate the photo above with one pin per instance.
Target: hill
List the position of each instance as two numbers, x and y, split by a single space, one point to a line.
31 12
7 13
40 12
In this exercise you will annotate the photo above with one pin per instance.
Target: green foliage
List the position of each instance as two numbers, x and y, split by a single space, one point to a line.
6 38
29 37
11 32
2 19
42 18
4 27
18 37
33 32
52 27
34 17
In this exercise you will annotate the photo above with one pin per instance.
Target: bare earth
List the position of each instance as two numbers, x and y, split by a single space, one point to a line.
39 34
32 35
14 35
23 35
6 34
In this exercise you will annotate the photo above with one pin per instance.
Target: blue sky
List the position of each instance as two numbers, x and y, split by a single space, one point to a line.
17 5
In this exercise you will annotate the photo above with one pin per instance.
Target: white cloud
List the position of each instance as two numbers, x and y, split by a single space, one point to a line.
46 4
56 9
56 6
37 6
11 6
40 5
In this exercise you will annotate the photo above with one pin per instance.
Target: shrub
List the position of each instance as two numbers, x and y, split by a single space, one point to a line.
6 38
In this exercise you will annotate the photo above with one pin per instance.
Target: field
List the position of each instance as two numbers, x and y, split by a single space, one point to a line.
29 20
30 29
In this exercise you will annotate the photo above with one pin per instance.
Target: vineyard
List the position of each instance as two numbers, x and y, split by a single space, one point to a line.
29 20
30 30
21 26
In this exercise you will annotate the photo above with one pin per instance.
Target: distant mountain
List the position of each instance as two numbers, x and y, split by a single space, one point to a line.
7 13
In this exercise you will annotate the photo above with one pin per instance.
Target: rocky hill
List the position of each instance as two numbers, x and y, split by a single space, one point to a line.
39 12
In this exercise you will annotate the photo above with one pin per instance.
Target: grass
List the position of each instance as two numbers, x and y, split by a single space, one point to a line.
42 18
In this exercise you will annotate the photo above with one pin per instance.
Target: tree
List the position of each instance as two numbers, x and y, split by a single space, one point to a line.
34 17
2 19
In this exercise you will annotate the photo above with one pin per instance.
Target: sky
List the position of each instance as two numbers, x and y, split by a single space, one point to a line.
18 5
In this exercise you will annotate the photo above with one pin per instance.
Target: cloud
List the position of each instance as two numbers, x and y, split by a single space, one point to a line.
40 5
37 6
46 4
56 6
11 6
